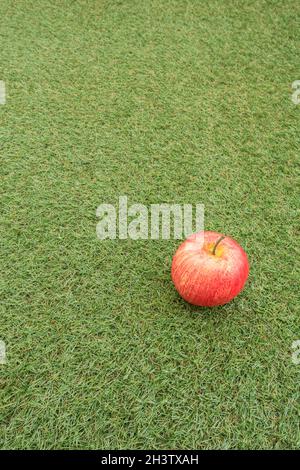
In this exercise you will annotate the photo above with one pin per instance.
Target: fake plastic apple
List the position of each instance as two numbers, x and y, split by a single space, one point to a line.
209 269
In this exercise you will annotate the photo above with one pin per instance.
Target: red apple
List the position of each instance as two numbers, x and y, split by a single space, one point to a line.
209 269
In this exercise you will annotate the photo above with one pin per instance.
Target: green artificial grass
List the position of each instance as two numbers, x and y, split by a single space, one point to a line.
170 101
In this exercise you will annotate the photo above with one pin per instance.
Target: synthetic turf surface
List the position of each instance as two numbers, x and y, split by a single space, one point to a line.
162 101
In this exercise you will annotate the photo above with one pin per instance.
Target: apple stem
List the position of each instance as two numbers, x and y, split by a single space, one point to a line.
217 243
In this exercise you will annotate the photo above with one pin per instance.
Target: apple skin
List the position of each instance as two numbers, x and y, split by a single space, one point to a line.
206 279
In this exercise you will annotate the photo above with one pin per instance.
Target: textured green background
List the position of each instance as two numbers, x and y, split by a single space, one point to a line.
164 101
